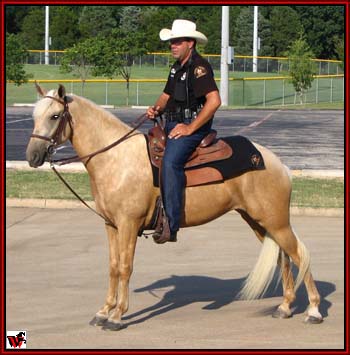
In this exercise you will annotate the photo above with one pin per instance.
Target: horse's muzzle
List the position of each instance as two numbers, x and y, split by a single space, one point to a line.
36 157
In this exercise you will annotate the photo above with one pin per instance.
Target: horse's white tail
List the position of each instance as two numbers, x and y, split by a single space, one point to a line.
261 276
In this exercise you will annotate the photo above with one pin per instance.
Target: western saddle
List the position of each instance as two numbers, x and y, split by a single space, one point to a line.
210 149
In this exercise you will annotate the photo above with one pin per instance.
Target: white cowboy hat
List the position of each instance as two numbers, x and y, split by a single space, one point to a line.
182 28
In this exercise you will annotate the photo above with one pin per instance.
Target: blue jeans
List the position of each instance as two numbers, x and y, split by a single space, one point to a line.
176 154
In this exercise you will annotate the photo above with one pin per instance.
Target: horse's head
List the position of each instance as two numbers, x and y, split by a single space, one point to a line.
51 116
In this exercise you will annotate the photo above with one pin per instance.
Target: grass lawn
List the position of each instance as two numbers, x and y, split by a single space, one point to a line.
307 192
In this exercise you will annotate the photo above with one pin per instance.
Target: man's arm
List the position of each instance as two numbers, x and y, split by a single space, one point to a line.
212 103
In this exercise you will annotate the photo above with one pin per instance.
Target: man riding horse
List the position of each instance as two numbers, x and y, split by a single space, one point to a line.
189 102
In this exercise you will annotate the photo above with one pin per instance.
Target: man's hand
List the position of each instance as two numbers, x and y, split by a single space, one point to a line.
180 130
153 112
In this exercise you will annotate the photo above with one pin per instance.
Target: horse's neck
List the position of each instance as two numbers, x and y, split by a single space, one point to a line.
93 127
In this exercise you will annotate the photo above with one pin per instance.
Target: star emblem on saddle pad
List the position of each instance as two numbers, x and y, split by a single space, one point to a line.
200 71
255 159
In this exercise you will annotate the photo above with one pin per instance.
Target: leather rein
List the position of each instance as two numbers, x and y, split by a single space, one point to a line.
65 117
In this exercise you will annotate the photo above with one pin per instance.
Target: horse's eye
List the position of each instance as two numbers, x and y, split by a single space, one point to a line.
55 117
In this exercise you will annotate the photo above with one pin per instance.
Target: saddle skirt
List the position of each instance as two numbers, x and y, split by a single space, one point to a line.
209 150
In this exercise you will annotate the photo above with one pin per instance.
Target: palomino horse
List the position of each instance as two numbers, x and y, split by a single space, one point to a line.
122 187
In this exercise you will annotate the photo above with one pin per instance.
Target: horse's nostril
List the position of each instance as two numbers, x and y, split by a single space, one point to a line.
35 160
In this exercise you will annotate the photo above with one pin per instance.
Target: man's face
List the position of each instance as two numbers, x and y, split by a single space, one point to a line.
181 48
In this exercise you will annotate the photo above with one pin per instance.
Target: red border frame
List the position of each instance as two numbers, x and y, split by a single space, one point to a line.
157 2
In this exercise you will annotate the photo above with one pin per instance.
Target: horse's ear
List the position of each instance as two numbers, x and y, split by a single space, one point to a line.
61 91
42 92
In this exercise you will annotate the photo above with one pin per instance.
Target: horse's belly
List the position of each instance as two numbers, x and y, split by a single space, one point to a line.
206 203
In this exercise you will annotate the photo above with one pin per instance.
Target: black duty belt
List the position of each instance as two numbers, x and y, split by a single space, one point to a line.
185 114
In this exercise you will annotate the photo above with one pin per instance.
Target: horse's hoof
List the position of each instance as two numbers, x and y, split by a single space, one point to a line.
281 314
98 321
109 325
313 320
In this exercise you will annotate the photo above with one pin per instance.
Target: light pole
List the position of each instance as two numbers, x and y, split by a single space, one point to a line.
255 40
224 55
47 35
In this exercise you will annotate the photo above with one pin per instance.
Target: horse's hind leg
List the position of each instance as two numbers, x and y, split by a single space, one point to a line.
111 298
293 247
283 311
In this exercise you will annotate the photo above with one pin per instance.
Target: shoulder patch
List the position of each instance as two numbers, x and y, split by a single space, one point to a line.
199 71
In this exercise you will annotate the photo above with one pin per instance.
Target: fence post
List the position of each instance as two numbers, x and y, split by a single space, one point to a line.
264 100
243 91
137 93
331 89
317 90
283 102
106 100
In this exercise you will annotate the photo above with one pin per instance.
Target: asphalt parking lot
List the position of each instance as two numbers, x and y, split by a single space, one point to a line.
303 139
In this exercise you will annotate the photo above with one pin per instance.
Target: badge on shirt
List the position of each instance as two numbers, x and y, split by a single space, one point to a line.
199 71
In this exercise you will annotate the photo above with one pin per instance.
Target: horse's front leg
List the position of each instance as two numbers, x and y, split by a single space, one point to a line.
126 242
111 298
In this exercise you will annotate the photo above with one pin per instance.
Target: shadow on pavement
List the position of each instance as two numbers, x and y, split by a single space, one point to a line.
217 293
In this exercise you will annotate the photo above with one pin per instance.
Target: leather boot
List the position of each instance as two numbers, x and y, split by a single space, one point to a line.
160 237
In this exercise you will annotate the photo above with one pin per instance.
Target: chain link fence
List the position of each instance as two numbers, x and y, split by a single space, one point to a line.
247 92
240 63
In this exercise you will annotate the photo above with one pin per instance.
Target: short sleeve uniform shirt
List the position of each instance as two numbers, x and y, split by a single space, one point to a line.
188 85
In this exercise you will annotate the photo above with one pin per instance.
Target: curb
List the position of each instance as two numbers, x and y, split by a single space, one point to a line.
79 167
72 204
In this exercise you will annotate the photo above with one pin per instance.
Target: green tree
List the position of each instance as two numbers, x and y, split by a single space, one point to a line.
128 46
104 56
14 17
79 59
301 67
339 48
153 19
33 28
98 20
63 27
130 18
15 56
285 28
243 40
322 25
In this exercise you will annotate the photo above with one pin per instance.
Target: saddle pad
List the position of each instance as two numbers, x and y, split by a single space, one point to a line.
245 157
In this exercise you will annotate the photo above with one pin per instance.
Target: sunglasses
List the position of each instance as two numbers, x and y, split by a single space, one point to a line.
178 41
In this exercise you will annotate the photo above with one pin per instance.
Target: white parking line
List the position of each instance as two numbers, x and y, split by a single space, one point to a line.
24 119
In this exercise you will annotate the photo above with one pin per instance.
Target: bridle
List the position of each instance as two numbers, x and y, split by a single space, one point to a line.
65 117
